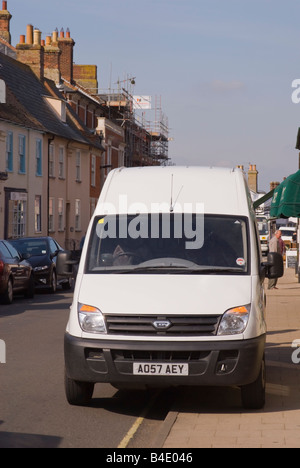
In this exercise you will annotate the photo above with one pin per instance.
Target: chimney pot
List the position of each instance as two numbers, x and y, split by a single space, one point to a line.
4 5
68 34
62 33
22 39
54 36
29 35
48 40
37 37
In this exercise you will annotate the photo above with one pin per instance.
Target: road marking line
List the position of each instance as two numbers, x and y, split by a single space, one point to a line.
134 428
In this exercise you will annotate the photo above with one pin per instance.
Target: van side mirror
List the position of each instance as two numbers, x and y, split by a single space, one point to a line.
274 267
64 263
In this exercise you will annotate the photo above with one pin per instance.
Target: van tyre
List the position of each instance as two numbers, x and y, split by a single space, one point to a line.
78 393
254 395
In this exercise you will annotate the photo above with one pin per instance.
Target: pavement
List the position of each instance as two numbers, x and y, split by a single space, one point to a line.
214 417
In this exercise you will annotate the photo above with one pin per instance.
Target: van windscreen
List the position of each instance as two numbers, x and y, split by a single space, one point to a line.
168 243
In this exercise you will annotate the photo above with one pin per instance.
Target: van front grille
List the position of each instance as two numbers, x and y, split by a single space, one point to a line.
152 325
159 356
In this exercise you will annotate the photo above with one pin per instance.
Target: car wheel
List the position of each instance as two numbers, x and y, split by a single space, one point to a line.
8 296
53 282
78 393
254 395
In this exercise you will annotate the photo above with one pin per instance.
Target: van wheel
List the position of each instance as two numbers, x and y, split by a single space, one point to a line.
78 393
254 395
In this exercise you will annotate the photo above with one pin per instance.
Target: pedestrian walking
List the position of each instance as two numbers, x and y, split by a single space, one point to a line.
275 245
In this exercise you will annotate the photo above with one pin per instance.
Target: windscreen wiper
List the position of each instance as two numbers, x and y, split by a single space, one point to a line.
180 268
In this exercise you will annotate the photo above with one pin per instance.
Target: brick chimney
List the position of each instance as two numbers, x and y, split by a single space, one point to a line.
5 18
31 51
66 45
86 76
253 178
52 54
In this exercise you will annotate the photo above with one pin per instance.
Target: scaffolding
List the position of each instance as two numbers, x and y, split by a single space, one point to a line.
146 140
159 131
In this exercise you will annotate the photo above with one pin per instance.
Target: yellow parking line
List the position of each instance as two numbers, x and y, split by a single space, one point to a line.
134 428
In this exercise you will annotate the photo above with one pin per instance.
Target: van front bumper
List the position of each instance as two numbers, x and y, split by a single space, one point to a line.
218 363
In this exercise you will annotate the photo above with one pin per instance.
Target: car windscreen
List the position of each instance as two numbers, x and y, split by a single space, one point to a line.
263 228
32 247
288 232
168 243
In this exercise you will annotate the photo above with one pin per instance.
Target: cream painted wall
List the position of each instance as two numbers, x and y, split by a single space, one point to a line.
62 187
27 181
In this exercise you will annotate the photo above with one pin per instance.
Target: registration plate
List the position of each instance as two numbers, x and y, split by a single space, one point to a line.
143 368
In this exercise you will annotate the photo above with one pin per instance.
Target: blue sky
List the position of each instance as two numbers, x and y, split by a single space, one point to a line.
223 69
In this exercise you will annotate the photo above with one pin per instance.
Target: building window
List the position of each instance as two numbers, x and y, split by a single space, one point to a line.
22 154
78 166
77 215
51 161
38 157
93 171
51 215
61 214
9 152
37 213
61 163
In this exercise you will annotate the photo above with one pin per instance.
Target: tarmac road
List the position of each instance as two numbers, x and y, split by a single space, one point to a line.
33 408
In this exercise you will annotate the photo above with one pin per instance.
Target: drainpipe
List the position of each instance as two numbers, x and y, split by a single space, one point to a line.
48 181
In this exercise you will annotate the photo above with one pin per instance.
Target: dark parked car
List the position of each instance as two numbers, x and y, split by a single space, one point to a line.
16 274
41 253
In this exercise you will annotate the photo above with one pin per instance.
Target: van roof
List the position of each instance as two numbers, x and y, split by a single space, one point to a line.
175 188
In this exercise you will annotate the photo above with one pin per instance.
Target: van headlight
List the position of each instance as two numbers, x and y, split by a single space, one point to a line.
91 319
234 321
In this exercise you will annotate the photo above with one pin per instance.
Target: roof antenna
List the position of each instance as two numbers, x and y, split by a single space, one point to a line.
173 204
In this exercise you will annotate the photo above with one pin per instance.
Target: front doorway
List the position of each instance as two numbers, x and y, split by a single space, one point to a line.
15 213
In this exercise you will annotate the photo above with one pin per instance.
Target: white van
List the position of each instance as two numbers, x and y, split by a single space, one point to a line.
170 286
